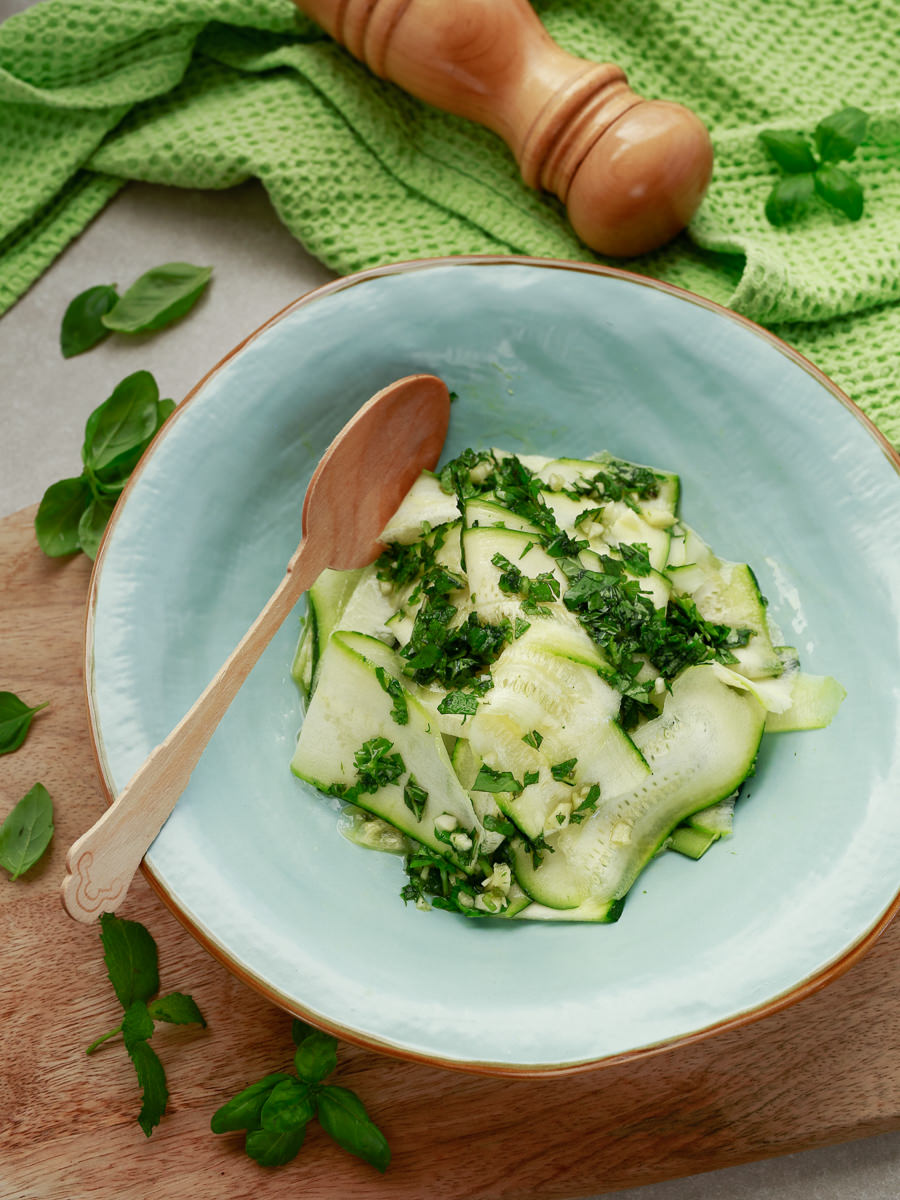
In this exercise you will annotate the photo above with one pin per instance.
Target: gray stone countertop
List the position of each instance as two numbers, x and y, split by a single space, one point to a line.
259 268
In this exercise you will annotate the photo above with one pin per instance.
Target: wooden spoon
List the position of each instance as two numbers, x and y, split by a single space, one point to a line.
358 485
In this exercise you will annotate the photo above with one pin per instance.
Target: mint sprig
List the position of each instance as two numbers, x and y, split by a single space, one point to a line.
132 963
274 1112
810 169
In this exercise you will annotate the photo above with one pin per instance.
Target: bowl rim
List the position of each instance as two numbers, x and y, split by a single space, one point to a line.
802 989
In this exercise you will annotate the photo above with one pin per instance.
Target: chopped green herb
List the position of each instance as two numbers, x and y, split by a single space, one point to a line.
530 777
453 655
394 688
623 621
456 476
489 780
533 739
544 588
636 557
462 703
537 848
587 805
375 767
618 480
414 797
562 771
589 514
497 824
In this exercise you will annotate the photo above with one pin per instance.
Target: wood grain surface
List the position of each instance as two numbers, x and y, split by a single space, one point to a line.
824 1070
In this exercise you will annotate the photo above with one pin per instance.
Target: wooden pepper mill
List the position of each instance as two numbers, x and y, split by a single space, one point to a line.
631 172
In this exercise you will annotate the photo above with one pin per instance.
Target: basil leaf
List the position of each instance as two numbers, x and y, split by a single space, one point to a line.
243 1110
15 719
123 421
790 150
178 1009
131 957
300 1030
838 135
137 1024
343 1116
57 517
840 190
158 297
93 521
26 832
288 1106
316 1056
111 478
788 198
274 1149
82 324
152 1078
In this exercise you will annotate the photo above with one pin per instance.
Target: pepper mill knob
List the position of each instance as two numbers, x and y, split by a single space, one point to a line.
631 172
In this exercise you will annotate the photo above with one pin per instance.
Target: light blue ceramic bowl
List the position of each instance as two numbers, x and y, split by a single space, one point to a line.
778 469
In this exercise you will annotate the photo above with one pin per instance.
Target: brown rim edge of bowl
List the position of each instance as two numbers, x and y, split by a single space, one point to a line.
799 992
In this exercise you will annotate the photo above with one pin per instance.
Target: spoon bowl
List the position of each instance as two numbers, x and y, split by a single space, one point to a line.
356 487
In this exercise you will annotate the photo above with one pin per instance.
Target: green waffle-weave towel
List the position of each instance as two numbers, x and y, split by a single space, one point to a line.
208 93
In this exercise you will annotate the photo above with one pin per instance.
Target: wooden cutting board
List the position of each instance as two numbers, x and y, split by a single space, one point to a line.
825 1070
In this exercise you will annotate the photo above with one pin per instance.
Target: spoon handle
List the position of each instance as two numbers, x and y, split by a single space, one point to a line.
101 863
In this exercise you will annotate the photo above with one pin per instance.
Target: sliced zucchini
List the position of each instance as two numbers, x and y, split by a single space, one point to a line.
408 600
814 702
604 912
427 696
622 524
523 552
368 608
691 842
425 506
497 741
541 687
565 474
727 593
484 513
303 660
326 601
349 708
699 749
717 819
